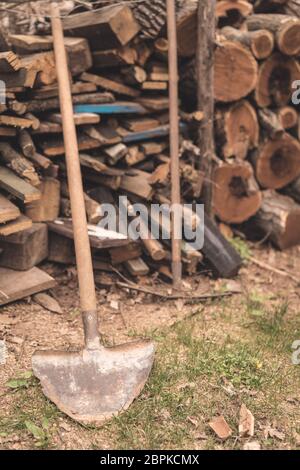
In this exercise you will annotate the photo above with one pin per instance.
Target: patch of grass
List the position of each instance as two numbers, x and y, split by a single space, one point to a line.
32 415
184 363
241 247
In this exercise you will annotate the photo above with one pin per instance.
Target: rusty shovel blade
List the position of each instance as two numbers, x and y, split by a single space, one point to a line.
93 386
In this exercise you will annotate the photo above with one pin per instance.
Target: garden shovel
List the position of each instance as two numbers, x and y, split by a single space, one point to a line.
97 383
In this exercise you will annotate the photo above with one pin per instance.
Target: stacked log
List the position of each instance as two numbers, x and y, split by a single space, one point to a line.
256 123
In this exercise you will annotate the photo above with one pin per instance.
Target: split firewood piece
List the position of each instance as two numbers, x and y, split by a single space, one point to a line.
104 133
9 62
17 107
247 422
270 122
187 34
154 86
237 129
260 42
17 186
275 77
233 12
134 155
41 161
221 428
48 303
93 210
15 226
92 207
279 218
285 28
8 211
47 127
15 121
106 28
47 208
115 57
134 75
115 153
236 195
18 163
137 183
125 253
277 121
137 267
140 125
35 122
95 163
110 85
277 162
24 77
80 119
26 143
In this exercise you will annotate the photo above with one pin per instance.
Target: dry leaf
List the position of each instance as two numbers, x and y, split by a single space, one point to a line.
254 445
47 302
246 424
221 428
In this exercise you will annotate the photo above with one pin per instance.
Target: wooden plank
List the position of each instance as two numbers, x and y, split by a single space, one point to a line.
16 285
161 131
8 132
99 237
55 146
51 91
8 211
15 226
107 28
121 107
18 187
26 249
15 121
80 119
110 85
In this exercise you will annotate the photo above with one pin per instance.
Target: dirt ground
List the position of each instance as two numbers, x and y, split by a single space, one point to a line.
211 358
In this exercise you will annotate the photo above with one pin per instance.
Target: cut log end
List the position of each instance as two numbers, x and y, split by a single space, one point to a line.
236 194
235 72
278 162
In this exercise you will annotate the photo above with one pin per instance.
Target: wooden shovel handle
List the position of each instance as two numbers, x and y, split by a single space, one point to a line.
81 238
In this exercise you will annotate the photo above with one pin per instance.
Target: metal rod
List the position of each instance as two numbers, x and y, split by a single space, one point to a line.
174 144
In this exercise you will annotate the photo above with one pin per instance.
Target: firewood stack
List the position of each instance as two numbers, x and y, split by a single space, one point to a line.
119 71
120 95
256 125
